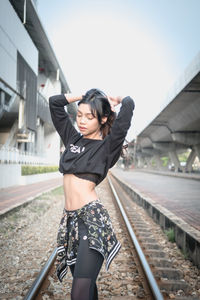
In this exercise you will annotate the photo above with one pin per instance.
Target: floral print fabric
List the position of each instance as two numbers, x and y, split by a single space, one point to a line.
101 235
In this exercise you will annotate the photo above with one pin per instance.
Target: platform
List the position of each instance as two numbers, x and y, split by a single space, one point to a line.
18 195
171 201
179 195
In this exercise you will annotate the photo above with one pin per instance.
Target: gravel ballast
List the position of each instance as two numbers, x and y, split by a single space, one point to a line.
28 236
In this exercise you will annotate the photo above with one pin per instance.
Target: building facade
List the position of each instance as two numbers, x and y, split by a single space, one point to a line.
29 74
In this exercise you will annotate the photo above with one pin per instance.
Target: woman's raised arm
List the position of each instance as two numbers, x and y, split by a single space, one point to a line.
120 127
61 118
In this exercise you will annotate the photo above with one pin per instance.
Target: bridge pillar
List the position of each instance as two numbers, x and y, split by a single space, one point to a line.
197 150
141 162
190 160
174 158
148 161
159 162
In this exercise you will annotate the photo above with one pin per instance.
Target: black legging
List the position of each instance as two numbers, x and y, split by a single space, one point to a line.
86 269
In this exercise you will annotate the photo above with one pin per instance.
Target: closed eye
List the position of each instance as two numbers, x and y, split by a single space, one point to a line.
89 116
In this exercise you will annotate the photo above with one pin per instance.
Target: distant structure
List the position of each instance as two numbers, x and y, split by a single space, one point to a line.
176 129
29 74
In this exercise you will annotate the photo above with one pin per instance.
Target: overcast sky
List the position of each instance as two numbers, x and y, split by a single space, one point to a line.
124 47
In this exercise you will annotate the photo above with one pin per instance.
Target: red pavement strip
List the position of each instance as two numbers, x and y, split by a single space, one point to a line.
15 196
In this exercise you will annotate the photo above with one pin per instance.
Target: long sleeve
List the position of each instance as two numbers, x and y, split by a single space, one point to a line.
61 119
120 128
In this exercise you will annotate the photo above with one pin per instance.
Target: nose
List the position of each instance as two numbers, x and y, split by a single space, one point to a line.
82 120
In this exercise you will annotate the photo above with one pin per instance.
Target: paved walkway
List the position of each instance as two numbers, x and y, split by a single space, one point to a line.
179 195
17 195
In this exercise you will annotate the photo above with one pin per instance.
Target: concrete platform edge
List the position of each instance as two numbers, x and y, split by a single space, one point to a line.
4 212
173 174
187 238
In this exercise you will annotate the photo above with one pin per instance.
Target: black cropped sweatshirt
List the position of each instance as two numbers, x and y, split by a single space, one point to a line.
83 155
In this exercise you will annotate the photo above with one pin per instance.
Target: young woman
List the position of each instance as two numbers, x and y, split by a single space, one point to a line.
85 235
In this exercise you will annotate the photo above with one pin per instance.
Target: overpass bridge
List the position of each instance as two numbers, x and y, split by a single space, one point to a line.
177 127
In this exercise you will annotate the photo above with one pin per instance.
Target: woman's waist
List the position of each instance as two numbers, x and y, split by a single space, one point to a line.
77 191
77 203
83 207
76 199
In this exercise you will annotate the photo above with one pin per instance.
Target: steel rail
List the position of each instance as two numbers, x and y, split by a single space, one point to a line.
151 280
32 293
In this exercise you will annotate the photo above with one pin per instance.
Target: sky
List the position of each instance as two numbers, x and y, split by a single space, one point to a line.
136 48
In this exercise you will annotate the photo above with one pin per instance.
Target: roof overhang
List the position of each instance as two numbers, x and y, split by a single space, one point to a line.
47 58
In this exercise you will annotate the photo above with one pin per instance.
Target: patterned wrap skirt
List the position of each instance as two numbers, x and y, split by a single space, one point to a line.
100 234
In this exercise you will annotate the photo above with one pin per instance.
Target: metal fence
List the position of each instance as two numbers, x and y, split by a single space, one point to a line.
15 156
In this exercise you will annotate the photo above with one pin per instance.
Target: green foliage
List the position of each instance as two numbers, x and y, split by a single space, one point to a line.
165 160
30 170
170 234
184 156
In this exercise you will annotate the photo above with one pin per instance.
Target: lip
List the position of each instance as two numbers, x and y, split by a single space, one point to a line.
82 128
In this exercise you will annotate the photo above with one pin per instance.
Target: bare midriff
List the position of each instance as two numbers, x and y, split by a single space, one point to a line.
78 191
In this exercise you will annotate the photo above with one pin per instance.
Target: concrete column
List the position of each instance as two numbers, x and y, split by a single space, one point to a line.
190 160
140 162
159 163
168 164
174 159
197 150
31 146
40 138
148 162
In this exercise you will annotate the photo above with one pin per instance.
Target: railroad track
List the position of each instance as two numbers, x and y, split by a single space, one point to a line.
159 278
169 280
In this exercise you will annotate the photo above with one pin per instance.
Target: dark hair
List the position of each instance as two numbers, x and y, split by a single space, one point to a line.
100 107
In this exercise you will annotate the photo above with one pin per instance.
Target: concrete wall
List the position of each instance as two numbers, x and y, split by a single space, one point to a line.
13 37
10 175
3 137
52 147
40 138
51 85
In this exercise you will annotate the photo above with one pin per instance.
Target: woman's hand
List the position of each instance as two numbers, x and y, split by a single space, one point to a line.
72 98
114 101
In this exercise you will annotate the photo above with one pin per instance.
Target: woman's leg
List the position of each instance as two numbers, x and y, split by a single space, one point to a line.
86 269
95 296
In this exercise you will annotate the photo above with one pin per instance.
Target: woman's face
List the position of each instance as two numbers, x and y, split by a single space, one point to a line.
87 123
